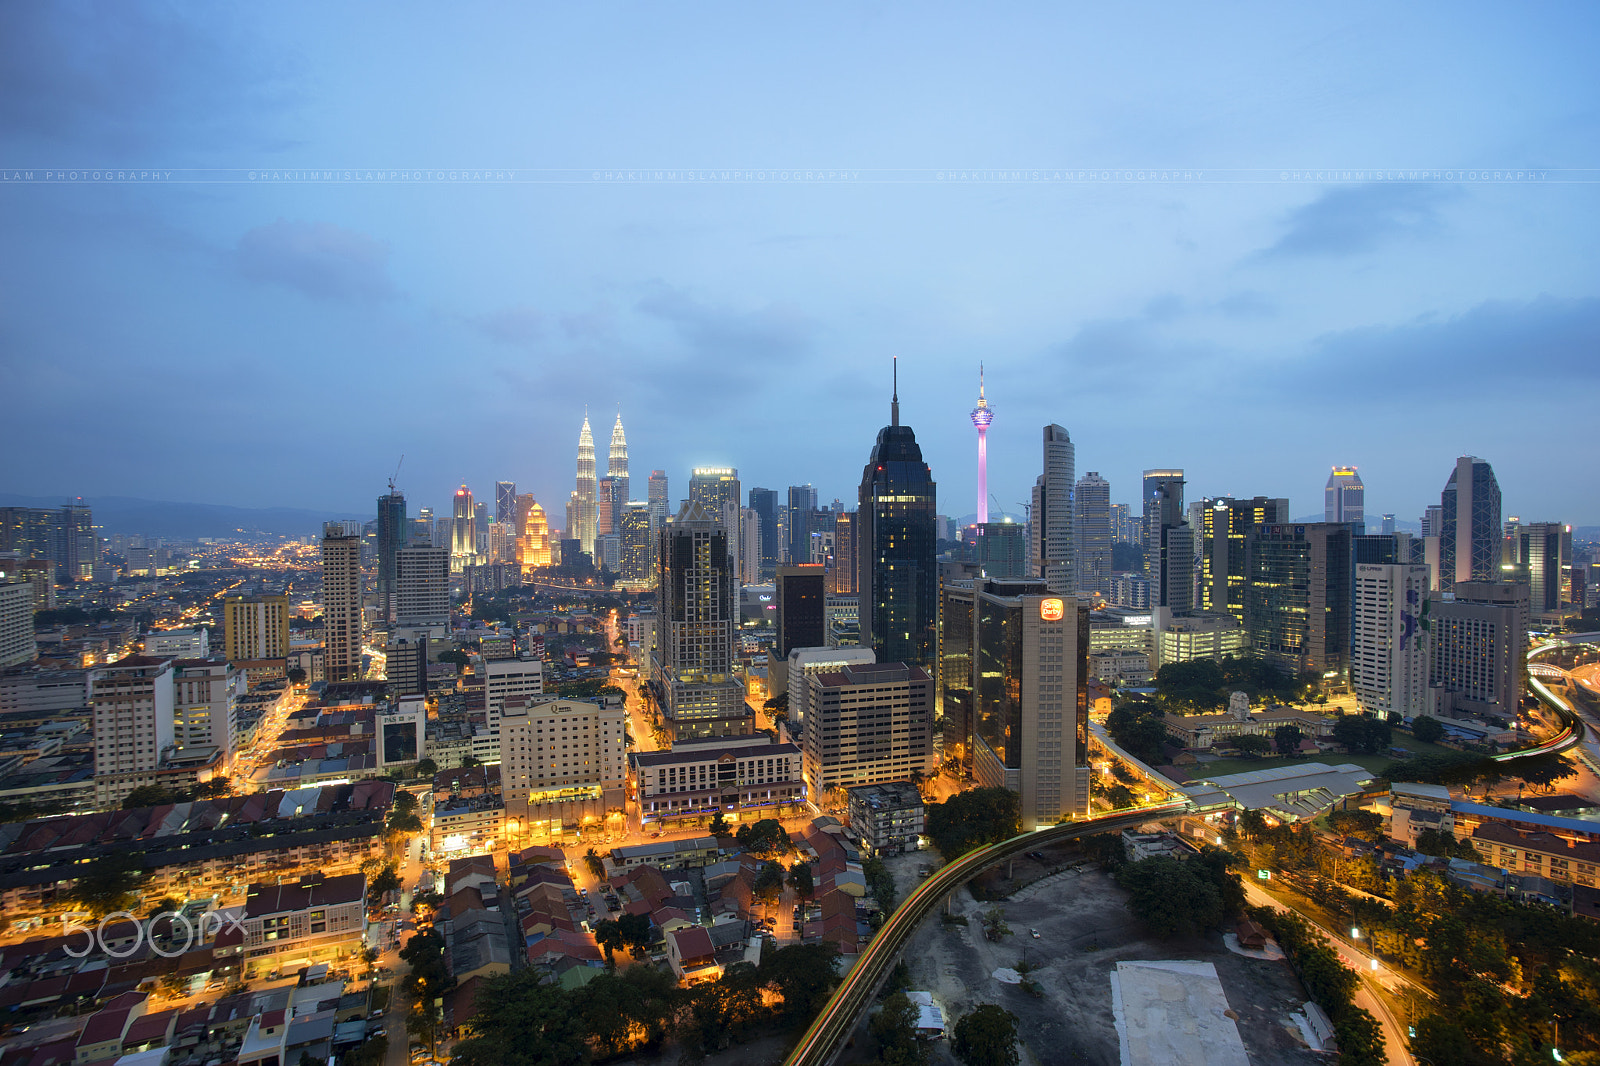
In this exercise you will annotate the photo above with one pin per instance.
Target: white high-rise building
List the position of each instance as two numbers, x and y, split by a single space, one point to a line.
508 679
1389 651
1343 498
581 519
422 590
205 693
133 703
749 544
1051 521
16 622
560 761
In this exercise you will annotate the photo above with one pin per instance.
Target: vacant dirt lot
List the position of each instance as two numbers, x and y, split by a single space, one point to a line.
1084 931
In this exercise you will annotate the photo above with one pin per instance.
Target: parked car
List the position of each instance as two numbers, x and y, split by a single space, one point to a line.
1034 933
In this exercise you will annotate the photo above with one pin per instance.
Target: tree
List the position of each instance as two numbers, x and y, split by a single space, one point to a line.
1252 746
110 884
765 837
1139 729
1287 738
1427 730
994 924
151 796
404 802
426 767
608 934
637 931
769 882
296 676
521 1021
800 879
621 1008
1119 796
1359 733
595 863
213 789
457 656
719 824
1170 897
1367 825
880 882
804 974
986 1036
973 819
386 880
895 1030
167 904
1189 687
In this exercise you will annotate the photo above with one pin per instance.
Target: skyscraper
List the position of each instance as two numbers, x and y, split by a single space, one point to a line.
716 488
764 502
255 627
463 532
1343 498
1052 514
1544 559
802 498
422 591
1091 534
341 602
982 416
1388 525
532 533
605 510
897 547
1168 541
505 502
1030 707
697 626
637 557
1469 533
800 594
1389 654
393 535
842 581
617 471
1479 638
422 527
1299 584
582 525
1225 522
660 506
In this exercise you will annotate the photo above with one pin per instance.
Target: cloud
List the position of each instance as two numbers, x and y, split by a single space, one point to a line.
318 259
742 345
1546 346
1350 220
128 78
520 326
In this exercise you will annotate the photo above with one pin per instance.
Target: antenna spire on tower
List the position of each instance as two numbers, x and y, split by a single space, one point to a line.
894 402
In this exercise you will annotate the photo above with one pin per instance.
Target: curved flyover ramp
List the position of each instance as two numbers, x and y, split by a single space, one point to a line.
839 1017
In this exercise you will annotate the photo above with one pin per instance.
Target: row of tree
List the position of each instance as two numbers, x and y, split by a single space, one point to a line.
1502 970
522 1021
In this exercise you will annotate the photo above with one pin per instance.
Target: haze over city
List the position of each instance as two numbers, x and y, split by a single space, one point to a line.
838 535
1205 287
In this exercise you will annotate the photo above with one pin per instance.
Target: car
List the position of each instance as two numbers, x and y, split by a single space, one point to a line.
1034 933
378 1033
378 1013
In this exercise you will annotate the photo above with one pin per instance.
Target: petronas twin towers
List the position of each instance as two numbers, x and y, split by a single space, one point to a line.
583 519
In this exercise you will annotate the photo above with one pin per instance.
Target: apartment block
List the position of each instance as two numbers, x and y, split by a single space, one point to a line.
868 723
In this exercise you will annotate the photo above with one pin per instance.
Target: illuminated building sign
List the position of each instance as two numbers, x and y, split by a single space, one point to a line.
1051 610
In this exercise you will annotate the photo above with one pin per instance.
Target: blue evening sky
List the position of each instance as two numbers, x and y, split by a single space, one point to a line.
1245 311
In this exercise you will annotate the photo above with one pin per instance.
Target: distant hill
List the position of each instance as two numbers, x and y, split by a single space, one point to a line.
188 521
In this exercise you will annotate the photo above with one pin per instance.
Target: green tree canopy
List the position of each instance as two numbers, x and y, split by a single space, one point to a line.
1252 746
1287 738
1139 730
1177 898
986 1036
110 884
765 837
521 1021
973 819
1363 735
800 879
1426 729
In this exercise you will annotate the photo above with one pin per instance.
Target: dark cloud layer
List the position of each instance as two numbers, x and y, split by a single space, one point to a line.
318 259
1353 219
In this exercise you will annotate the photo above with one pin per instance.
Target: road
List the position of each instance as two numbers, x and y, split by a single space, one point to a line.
1367 998
841 1014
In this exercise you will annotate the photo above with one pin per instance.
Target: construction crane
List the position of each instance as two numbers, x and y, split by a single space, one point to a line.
396 473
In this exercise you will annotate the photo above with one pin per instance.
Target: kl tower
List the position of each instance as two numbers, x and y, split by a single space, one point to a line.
982 415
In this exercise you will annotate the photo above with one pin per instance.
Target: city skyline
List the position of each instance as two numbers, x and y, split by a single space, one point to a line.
1348 316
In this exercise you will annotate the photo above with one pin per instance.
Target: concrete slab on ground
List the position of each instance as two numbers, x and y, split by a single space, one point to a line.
1174 1014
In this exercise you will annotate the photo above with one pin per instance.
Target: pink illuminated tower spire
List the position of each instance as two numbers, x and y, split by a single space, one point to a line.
982 415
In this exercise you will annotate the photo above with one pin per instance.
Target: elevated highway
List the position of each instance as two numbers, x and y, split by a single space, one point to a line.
823 1041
